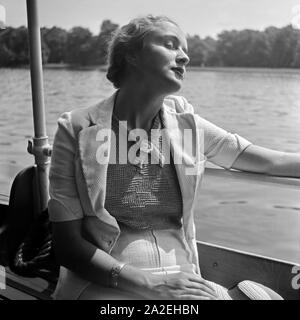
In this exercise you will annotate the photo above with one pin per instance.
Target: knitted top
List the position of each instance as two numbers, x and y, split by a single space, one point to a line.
146 196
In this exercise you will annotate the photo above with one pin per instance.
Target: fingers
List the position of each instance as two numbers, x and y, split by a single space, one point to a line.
202 284
186 286
194 282
205 290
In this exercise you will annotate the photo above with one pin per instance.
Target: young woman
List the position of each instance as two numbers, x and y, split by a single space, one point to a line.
125 176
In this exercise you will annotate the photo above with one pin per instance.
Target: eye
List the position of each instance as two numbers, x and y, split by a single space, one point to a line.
169 45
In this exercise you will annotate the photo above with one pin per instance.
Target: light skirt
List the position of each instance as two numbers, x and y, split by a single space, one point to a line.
96 292
159 252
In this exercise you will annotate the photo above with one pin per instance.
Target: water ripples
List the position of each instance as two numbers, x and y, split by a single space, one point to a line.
260 104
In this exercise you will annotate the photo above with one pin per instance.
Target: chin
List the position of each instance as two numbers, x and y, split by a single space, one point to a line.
172 85
176 86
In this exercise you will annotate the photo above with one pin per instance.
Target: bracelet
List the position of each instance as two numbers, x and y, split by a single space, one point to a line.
114 274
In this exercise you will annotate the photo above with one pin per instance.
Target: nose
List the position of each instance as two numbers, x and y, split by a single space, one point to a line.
182 58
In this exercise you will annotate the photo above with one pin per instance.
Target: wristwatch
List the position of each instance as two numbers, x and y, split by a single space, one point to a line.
114 274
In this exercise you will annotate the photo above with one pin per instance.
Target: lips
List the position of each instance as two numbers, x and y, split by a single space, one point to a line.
179 71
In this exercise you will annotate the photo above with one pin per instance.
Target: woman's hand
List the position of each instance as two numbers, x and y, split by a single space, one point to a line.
178 286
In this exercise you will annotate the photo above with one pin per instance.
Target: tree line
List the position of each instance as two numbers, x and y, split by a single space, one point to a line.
274 47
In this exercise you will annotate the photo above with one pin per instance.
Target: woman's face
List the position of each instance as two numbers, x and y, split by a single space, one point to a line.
161 63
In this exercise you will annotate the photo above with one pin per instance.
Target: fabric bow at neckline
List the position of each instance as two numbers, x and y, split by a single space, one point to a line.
145 147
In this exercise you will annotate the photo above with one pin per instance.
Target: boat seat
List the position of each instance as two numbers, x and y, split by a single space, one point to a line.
20 213
30 268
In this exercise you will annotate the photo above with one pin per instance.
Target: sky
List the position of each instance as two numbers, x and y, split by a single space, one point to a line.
202 17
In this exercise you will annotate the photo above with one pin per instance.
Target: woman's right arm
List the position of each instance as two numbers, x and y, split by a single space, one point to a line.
72 250
91 263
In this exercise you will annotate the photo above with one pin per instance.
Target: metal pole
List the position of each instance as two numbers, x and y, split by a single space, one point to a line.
39 147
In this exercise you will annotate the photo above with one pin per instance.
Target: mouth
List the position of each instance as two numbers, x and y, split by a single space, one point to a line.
179 71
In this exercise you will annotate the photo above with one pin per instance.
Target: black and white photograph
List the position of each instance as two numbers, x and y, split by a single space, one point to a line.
149 150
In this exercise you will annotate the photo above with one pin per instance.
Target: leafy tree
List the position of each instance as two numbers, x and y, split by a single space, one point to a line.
211 57
196 50
78 46
284 43
14 47
84 49
101 45
45 51
56 40
7 56
14 43
259 50
273 47
296 61
246 48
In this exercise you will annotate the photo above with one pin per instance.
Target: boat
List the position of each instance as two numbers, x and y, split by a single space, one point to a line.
220 264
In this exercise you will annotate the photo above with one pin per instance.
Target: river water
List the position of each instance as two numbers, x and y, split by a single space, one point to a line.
261 105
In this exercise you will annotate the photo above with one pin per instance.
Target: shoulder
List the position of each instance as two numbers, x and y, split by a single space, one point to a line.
78 119
178 104
181 106
73 121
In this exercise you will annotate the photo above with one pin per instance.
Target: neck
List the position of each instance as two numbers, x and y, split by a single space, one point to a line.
137 106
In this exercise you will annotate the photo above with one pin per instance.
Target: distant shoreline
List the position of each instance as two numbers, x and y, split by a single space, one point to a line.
74 67
103 68
60 66
242 69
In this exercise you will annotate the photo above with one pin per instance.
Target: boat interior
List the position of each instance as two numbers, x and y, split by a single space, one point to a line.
22 281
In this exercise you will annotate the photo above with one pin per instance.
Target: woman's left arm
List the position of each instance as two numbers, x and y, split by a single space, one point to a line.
263 160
